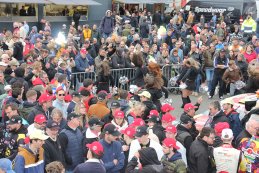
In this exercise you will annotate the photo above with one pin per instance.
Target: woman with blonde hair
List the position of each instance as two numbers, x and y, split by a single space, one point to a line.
137 110
81 110
187 79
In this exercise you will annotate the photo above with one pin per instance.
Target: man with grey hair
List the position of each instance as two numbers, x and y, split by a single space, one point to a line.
251 127
216 115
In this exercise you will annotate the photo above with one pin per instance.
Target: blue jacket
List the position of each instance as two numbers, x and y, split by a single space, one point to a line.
81 64
25 161
112 151
234 123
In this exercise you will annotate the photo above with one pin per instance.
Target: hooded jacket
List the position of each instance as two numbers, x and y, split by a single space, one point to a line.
33 35
18 51
149 161
38 110
11 142
107 24
174 164
27 162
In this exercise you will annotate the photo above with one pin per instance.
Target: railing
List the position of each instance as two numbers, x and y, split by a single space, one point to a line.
169 72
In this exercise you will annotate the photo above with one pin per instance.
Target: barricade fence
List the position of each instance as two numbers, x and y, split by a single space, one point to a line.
170 72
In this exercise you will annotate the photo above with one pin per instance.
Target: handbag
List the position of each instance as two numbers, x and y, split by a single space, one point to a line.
239 84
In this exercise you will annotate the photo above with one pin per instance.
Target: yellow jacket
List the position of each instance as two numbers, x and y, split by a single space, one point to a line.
87 33
248 26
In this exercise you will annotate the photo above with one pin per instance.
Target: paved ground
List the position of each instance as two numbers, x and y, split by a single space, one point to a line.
177 102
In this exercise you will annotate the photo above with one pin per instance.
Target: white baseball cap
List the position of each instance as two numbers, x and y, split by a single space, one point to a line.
227 134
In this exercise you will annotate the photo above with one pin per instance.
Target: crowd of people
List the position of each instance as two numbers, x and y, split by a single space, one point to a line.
55 121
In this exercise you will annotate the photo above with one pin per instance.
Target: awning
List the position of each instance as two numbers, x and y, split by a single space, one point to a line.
75 2
59 2
27 1
130 1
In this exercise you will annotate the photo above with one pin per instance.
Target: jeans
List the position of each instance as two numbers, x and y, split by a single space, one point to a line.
104 35
232 89
217 79
209 75
197 83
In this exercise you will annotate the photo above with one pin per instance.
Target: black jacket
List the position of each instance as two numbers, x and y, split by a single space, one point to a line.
117 62
10 143
193 131
199 157
220 117
53 151
18 51
38 110
156 94
159 131
184 137
144 30
242 135
149 106
149 161
138 79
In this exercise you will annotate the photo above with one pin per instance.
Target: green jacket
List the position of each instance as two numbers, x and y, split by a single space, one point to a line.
174 164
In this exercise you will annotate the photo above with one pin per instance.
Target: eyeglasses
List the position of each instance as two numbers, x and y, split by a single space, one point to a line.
61 95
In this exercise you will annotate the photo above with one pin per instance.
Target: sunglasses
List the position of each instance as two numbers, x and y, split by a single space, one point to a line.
61 95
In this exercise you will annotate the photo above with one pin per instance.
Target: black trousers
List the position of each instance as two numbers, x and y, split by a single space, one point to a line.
217 79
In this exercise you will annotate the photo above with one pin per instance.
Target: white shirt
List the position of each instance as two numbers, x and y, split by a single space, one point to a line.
226 159
182 150
135 146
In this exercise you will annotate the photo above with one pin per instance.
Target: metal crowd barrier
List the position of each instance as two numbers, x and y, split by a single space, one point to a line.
117 73
169 71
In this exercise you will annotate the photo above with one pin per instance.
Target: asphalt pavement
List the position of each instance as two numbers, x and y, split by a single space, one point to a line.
177 102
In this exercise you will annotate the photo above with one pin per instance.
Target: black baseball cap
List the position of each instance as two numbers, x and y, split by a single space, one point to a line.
15 120
111 129
141 130
185 119
154 119
71 116
76 94
115 104
52 124
101 95
95 122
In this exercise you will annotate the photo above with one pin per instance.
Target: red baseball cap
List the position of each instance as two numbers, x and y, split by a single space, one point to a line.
168 118
83 51
119 114
95 147
171 128
40 118
167 107
63 52
60 88
129 131
45 98
153 113
170 142
138 122
189 106
220 126
37 81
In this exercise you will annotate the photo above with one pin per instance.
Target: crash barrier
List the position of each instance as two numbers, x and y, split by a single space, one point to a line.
170 72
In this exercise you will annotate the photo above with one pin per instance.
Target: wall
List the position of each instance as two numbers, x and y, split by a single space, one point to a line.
95 14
